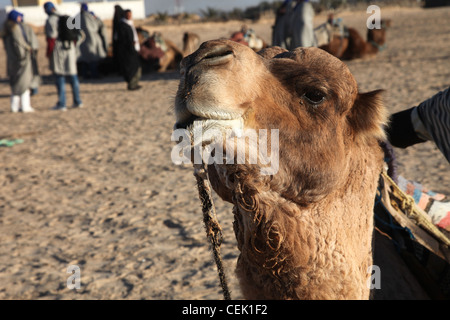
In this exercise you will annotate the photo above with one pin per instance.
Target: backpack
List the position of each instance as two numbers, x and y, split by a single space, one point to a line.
67 32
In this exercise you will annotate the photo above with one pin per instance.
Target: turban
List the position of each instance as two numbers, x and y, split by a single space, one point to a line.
13 15
48 7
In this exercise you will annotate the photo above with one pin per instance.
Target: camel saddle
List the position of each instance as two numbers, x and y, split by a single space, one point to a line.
424 247
326 31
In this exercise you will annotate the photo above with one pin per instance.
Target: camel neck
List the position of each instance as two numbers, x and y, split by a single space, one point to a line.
322 251
378 47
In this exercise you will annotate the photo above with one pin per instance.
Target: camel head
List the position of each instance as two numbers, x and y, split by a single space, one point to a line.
308 95
377 37
327 139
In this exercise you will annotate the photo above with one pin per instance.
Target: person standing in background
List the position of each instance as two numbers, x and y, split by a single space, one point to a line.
94 47
128 51
281 31
19 39
63 59
303 25
119 13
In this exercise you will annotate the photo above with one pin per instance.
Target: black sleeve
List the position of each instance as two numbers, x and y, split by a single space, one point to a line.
400 130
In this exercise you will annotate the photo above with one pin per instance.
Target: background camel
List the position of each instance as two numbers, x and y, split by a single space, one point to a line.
248 37
353 46
161 54
158 53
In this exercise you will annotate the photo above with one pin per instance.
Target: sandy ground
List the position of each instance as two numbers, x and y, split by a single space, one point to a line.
96 187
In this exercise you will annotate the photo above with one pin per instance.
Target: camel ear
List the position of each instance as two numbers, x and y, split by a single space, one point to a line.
368 116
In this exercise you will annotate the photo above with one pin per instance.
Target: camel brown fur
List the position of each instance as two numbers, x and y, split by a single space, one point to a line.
354 46
306 231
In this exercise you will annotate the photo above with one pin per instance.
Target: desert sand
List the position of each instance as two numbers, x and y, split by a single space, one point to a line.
96 188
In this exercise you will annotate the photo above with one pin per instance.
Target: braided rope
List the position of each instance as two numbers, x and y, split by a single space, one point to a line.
212 226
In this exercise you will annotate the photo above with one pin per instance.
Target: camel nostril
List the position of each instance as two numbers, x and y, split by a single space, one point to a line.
216 55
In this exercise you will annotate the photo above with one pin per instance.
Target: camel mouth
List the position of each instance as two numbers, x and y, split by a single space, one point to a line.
205 131
189 118
188 113
206 128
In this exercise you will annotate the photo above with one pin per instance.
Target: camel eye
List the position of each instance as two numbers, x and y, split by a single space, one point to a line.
314 97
